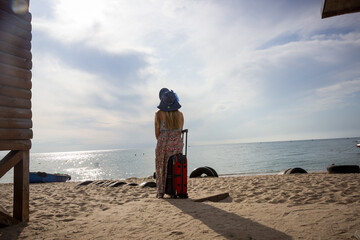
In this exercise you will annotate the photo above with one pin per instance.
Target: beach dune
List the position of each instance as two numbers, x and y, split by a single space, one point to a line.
299 206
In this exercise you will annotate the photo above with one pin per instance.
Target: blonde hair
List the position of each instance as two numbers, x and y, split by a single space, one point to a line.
173 119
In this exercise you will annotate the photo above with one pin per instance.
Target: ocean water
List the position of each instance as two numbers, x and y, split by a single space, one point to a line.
226 159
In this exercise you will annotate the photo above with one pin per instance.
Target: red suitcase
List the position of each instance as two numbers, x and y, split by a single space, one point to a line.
176 180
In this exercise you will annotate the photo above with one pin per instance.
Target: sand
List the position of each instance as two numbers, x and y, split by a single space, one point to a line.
299 206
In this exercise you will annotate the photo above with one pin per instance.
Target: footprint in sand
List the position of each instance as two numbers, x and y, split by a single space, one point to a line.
68 219
104 208
145 195
45 215
176 233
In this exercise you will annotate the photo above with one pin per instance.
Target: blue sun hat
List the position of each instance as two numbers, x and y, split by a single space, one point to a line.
169 100
162 91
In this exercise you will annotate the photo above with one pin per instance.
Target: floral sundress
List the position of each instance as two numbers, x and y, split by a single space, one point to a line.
169 143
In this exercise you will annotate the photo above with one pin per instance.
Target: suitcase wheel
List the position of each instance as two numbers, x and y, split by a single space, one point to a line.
183 196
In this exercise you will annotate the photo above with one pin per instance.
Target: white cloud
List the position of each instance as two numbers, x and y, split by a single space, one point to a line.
224 59
63 107
332 96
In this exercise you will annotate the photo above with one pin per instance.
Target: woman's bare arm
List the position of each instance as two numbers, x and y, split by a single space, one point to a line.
157 126
182 121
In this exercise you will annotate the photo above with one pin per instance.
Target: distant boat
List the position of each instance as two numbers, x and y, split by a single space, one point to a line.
358 145
43 177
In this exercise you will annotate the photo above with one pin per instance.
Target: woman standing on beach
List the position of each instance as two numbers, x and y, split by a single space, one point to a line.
169 122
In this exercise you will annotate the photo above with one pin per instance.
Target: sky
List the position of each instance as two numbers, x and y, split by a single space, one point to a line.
245 71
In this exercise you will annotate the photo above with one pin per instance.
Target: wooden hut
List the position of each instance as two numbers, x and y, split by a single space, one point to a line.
333 8
15 101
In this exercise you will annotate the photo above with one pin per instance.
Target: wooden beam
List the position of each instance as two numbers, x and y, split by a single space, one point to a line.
213 198
14 92
15 123
13 19
8 112
15 61
21 188
333 8
15 82
15 102
15 134
9 161
8 48
15 71
15 144
15 40
13 29
26 16
5 5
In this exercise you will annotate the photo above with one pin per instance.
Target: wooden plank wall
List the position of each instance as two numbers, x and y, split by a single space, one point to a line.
15 100
15 78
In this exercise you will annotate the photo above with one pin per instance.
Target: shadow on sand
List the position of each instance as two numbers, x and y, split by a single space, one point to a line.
12 232
226 224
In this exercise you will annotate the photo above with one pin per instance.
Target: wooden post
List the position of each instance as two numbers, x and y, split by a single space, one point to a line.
21 188
9 161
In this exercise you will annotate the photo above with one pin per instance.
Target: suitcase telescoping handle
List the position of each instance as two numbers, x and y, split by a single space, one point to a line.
183 132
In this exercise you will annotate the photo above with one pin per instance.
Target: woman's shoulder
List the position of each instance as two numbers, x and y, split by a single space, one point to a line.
160 114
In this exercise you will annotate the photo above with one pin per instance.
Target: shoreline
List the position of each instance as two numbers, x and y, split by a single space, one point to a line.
220 175
296 206
265 174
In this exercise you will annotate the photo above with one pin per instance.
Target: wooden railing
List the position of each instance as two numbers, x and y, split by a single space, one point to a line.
15 102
